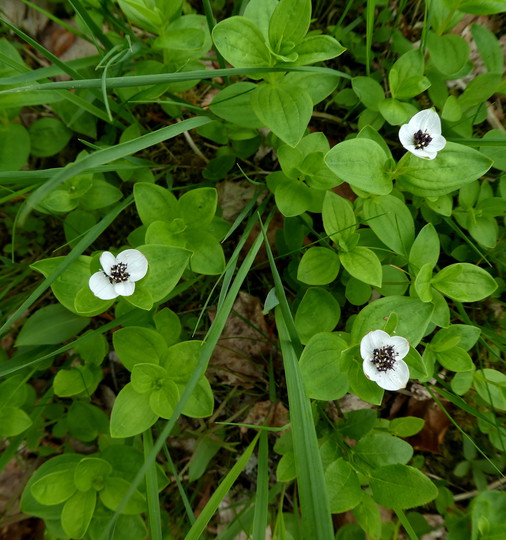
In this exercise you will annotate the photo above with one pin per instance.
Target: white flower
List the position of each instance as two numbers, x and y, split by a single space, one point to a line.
118 274
422 135
383 359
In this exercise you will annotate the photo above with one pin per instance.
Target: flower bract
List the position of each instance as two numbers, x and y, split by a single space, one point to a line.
383 359
422 135
118 274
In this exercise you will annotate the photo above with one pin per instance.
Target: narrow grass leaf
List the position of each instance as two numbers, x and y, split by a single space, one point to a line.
262 492
154 518
220 493
312 490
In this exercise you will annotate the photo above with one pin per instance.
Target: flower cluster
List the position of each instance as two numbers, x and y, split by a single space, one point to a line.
422 135
383 359
118 274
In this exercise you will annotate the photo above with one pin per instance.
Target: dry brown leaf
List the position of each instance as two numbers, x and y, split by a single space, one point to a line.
233 196
238 359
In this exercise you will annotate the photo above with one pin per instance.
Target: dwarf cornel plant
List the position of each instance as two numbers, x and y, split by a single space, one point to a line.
253 267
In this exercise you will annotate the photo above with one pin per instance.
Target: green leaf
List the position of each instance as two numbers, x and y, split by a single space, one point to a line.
13 421
168 325
207 254
480 7
425 248
147 377
489 47
135 345
391 221
166 265
241 43
293 197
318 266
90 473
77 513
164 399
320 367
113 492
448 53
55 487
401 486
131 413
491 387
379 449
396 112
407 426
289 24
198 206
154 203
318 311
50 325
414 316
14 146
423 283
317 49
48 136
455 166
181 359
463 335
406 78
317 85
339 219
343 486
481 88
369 91
368 516
455 359
464 282
200 404
363 264
233 104
72 382
284 109
361 163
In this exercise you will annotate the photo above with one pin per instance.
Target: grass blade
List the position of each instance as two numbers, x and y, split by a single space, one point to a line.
312 490
154 518
262 494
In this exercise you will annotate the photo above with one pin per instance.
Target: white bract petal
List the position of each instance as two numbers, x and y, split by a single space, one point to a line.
101 286
383 362
136 262
107 261
118 274
125 288
422 135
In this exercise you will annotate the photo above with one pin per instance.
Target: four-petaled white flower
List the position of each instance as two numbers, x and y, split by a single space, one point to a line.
422 135
118 274
383 359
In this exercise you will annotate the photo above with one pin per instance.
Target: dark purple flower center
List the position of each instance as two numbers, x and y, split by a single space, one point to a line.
421 139
118 273
384 358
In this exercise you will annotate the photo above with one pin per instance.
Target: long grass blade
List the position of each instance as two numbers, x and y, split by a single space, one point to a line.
154 518
162 78
262 492
312 490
